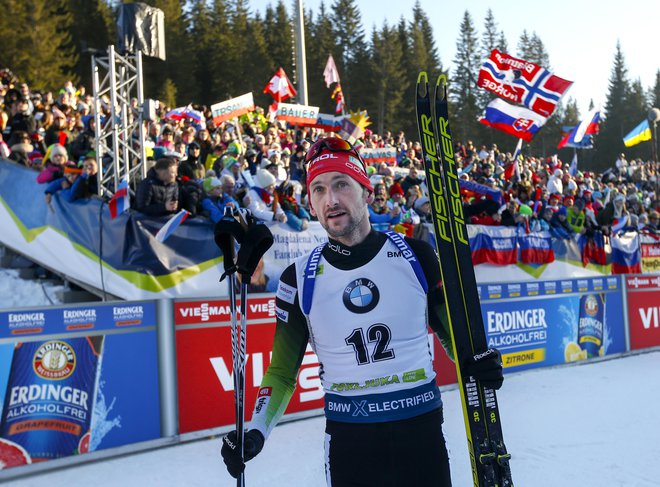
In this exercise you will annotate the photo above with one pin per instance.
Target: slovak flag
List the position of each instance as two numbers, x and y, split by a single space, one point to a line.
517 121
522 82
279 87
120 201
171 225
578 137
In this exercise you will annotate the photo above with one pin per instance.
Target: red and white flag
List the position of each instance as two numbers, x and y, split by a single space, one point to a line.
330 73
279 87
519 81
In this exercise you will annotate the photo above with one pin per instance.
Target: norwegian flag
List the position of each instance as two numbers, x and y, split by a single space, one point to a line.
519 81
279 87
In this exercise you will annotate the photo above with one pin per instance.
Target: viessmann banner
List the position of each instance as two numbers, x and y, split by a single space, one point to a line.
643 293
75 380
204 362
545 323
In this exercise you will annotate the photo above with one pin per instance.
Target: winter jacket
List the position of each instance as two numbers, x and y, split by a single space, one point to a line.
191 196
49 173
261 209
152 194
215 206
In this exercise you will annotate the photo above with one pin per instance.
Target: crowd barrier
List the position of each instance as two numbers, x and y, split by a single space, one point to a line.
122 257
83 382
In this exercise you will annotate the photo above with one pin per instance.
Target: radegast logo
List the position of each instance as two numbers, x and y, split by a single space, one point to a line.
361 295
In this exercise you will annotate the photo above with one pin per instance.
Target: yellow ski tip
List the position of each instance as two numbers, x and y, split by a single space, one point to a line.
422 75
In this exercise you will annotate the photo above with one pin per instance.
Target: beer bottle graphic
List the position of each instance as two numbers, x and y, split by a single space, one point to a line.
50 396
591 323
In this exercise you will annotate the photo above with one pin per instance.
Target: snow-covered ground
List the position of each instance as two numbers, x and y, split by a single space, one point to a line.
589 425
18 293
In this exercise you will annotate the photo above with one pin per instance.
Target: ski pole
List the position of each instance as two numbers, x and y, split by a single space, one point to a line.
228 231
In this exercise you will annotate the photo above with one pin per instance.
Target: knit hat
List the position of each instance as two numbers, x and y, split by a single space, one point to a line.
264 178
338 161
235 148
210 183
419 202
396 189
57 149
228 162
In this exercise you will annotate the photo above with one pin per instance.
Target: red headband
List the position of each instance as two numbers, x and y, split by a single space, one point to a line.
343 162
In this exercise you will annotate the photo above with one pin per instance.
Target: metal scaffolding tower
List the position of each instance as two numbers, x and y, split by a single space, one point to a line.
120 131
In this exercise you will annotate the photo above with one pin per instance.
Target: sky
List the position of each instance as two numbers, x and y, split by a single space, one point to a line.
580 36
583 424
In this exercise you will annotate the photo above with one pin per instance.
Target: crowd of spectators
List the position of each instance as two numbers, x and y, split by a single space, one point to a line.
259 164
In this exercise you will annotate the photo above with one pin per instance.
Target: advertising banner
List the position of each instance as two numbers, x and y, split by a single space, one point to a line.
545 323
297 114
643 293
76 380
650 245
376 156
235 107
204 363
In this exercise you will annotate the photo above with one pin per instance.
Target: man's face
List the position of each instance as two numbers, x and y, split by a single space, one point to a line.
228 188
339 203
167 175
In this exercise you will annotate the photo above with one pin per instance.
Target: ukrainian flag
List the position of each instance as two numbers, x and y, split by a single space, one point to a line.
639 134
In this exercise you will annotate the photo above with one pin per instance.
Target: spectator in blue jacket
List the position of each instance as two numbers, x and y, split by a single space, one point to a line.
218 196
64 185
380 216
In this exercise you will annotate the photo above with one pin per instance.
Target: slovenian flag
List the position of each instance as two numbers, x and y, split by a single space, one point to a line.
641 133
120 201
626 254
171 225
517 121
578 136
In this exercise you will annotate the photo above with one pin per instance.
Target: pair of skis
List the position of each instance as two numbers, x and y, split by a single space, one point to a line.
488 455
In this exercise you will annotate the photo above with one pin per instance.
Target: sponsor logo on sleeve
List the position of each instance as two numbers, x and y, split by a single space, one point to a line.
282 314
286 293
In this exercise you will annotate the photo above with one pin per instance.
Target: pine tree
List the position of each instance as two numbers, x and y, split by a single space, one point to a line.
637 107
94 27
352 56
463 87
280 41
387 80
36 42
655 93
609 142
203 35
179 62
420 54
320 43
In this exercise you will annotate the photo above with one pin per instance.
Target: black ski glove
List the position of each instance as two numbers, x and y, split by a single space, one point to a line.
231 455
486 367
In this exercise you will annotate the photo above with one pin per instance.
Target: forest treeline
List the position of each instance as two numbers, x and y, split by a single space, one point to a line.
218 49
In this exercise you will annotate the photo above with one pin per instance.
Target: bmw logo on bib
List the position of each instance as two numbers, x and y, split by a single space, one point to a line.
361 296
